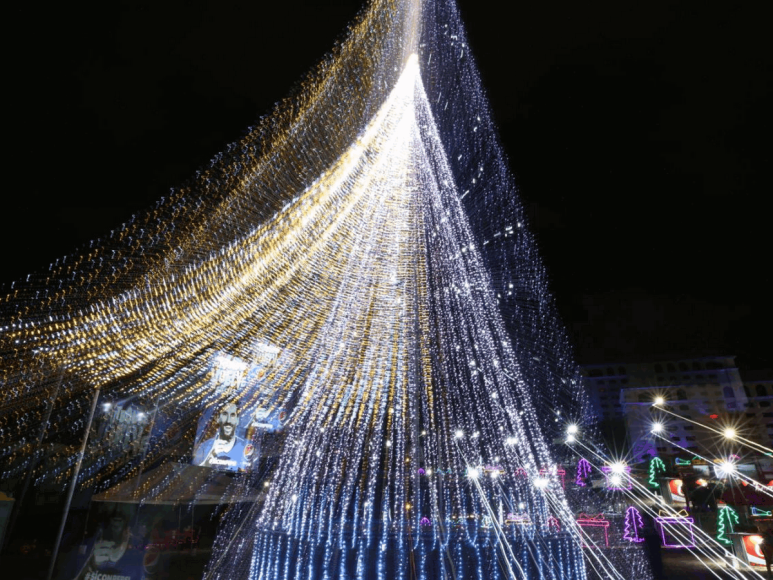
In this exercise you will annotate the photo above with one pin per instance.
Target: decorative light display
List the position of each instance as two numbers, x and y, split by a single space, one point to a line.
633 525
656 469
727 518
676 531
371 230
557 471
761 513
583 472
592 524
618 476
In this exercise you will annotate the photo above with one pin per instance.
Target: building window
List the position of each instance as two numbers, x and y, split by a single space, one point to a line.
690 438
684 407
728 392
621 370
671 368
761 391
764 403
696 366
658 368
610 371
683 367
767 414
747 391
689 427
681 395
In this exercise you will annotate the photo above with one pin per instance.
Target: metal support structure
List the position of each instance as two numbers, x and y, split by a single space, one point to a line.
73 482
35 455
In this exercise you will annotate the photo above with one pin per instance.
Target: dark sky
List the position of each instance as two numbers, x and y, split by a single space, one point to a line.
638 133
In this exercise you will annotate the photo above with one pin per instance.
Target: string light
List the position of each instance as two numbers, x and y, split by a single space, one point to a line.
371 231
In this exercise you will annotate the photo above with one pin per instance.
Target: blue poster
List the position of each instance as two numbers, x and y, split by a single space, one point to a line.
242 407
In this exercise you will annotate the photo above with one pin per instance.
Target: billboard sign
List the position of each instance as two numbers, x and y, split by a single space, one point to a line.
241 408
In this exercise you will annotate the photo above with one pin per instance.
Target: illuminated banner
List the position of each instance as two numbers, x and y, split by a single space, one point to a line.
677 493
753 550
226 429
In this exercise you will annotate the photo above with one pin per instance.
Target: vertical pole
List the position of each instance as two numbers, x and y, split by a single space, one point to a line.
144 455
71 491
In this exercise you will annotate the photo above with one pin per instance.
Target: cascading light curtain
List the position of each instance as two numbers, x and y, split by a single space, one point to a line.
370 228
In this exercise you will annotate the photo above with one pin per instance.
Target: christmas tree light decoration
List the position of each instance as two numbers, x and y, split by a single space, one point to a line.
656 469
583 472
633 524
676 531
353 285
727 518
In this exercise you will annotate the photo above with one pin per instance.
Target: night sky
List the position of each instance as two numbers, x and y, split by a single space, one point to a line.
638 133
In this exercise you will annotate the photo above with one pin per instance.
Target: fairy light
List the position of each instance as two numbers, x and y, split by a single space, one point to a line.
371 230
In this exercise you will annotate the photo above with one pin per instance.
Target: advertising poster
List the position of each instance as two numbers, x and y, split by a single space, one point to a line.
244 408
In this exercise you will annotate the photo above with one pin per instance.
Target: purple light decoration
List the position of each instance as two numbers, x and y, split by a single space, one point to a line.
662 522
633 523
586 521
583 472
421 471
425 522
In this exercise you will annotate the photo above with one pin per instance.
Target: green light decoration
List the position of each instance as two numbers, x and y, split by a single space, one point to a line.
657 468
725 521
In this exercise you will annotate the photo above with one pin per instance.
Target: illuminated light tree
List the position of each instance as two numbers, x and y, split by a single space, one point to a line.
633 525
583 472
726 520
656 469
371 230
